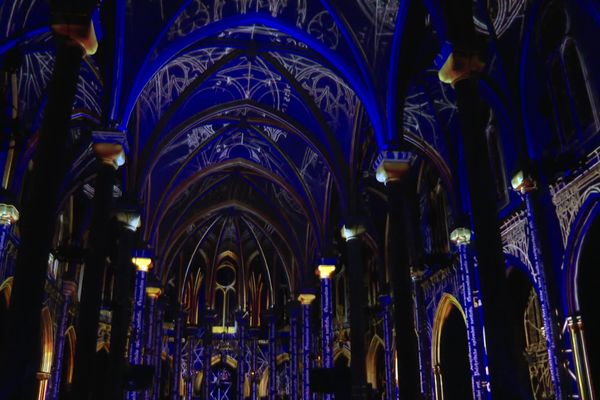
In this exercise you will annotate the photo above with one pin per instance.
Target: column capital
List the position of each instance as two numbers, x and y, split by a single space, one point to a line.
130 219
306 298
8 214
142 261
523 182
385 300
352 231
110 147
460 236
76 29
69 288
393 165
460 66
326 268
153 292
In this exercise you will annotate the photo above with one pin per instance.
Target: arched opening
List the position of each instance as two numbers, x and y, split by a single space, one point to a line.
454 358
450 348
223 382
47 339
587 298
376 365
68 363
527 326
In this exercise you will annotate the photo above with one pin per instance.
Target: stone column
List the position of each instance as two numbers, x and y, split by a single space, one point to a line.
462 70
209 321
129 222
21 351
254 377
150 352
69 289
326 270
358 302
242 320
142 263
421 329
306 300
271 320
9 215
582 366
461 237
189 379
392 169
158 341
390 391
527 187
109 148
293 378
179 322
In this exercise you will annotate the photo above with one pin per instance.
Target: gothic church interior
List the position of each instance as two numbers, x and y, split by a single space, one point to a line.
299 199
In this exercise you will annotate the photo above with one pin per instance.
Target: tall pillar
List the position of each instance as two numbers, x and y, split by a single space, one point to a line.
129 222
189 379
462 70
421 329
272 352
254 377
358 302
142 263
242 320
461 237
392 169
158 341
390 391
175 384
209 320
293 348
306 300
69 289
9 215
582 366
20 354
326 270
526 186
109 147
150 352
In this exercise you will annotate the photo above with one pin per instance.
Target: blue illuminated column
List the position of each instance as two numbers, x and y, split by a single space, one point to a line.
306 300
68 290
190 363
8 216
179 321
149 356
158 341
254 377
386 301
136 349
242 319
209 320
326 270
461 237
293 371
526 186
272 351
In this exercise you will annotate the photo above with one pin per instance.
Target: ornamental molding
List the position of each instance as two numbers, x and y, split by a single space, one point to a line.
516 239
569 196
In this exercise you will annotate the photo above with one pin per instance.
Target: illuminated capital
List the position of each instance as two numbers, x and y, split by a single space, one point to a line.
130 219
306 298
523 183
326 270
83 35
69 288
460 66
8 214
110 147
352 231
153 292
393 165
460 236
142 260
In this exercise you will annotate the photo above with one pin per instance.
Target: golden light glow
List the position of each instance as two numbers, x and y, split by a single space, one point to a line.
306 298
142 263
8 214
522 183
460 236
153 292
325 271
223 329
